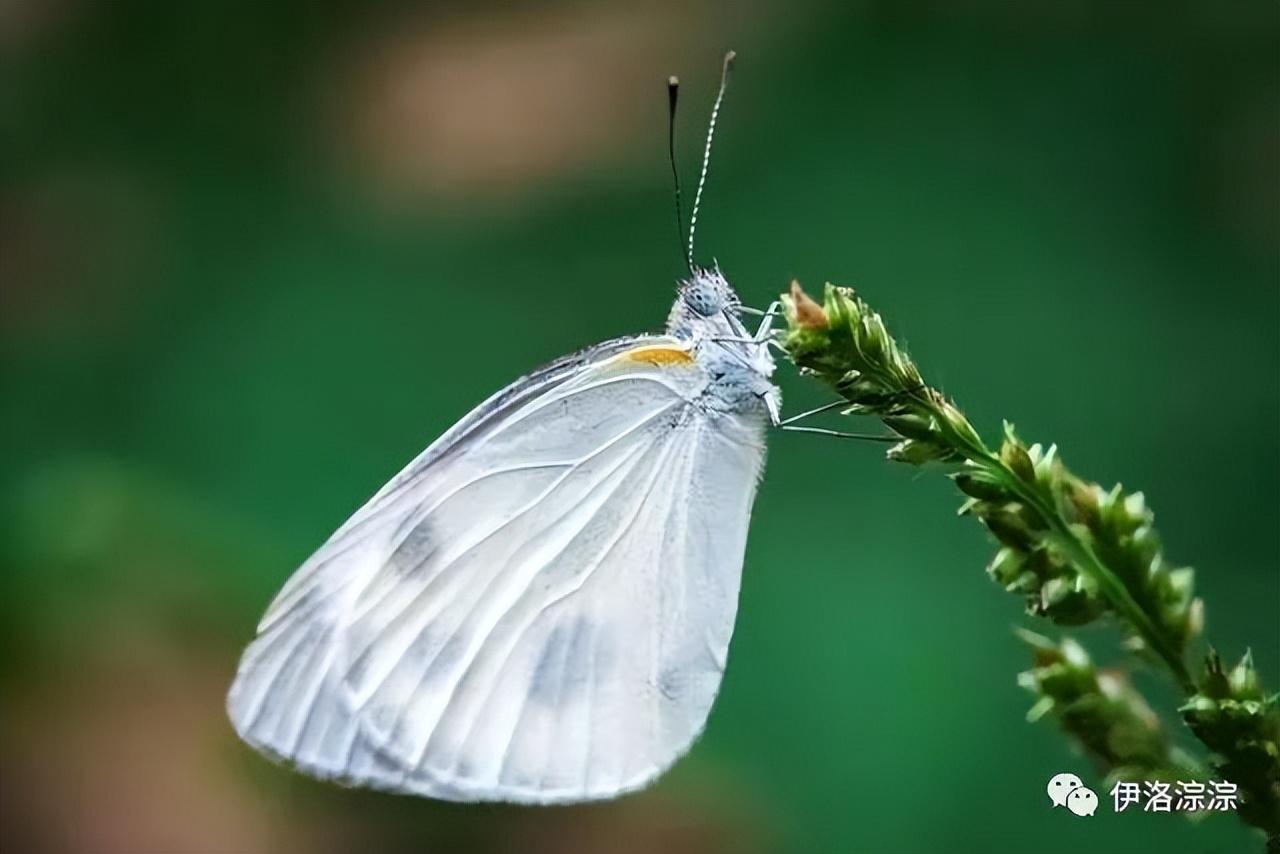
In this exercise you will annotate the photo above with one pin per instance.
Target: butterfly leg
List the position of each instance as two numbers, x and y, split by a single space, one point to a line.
822 431
789 424
772 310
766 321
824 408
763 335
740 339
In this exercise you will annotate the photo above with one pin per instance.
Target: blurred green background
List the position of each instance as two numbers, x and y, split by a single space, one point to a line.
255 256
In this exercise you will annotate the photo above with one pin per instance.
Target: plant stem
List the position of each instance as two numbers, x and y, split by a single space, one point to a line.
1080 553
1075 551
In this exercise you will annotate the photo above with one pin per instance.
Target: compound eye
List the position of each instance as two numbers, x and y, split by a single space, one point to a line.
703 301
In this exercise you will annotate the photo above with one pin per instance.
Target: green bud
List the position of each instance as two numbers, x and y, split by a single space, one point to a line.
918 453
912 426
1243 679
1195 618
1009 529
956 421
1213 681
911 374
870 339
1054 592
1027 583
1115 513
862 390
1065 601
1084 498
1135 506
1179 586
1015 458
1006 566
1145 543
980 486
1075 654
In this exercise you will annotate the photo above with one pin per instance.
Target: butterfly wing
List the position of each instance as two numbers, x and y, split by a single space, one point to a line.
537 609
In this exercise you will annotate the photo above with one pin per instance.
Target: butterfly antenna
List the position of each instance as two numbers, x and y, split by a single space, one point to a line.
706 153
673 94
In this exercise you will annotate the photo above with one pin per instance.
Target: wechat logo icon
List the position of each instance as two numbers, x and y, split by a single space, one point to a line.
1068 790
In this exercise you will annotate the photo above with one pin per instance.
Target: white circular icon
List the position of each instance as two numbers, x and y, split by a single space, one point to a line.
1082 801
1062 785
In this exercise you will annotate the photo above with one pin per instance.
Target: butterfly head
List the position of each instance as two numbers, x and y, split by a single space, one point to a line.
704 306
707 293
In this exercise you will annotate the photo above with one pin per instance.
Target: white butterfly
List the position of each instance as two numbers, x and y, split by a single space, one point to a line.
538 608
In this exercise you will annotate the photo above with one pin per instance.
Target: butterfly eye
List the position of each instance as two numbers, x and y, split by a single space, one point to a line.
703 300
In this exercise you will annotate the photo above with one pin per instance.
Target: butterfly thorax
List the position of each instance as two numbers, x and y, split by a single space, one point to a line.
706 315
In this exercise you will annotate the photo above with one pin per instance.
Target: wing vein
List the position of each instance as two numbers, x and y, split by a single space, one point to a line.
584 577
472 657
430 585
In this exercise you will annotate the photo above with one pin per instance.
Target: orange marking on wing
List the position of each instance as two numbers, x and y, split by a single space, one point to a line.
658 355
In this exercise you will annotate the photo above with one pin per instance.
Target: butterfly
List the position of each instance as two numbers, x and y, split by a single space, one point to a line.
538 608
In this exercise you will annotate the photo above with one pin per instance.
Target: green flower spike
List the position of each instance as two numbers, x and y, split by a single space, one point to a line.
1075 552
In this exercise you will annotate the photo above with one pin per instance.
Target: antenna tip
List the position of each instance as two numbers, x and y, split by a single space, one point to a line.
673 82
729 58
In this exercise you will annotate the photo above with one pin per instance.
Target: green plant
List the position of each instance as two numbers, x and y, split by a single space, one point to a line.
1076 552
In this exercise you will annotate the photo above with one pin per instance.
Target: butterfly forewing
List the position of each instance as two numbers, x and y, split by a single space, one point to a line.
537 609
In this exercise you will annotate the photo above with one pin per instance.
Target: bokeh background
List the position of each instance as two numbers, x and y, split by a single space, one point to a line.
255 256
